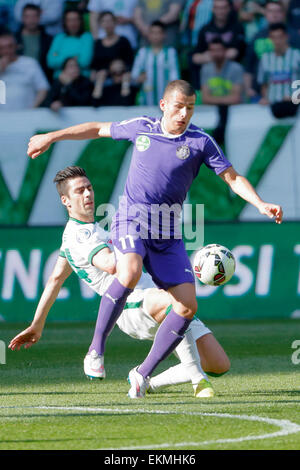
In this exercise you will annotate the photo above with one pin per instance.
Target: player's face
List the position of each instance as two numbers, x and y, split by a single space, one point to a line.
8 47
80 198
72 69
31 19
279 39
221 9
117 69
178 110
156 36
108 24
217 52
72 22
274 13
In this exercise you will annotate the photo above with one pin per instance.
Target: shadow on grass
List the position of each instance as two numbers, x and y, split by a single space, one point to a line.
113 410
9 394
269 393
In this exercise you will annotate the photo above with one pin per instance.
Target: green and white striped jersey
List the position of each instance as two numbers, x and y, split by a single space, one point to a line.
159 68
279 72
80 242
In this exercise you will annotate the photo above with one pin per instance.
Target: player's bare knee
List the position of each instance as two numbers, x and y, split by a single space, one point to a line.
129 271
129 278
187 310
188 314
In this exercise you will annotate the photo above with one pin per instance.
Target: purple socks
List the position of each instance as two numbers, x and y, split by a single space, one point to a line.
111 306
167 338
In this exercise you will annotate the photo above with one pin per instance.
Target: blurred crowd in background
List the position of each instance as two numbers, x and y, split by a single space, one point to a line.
123 52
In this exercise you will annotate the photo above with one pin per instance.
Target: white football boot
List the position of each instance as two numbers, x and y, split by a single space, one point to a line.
94 365
139 384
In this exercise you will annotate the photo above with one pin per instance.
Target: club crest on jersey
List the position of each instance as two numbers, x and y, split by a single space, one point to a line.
142 143
183 152
82 235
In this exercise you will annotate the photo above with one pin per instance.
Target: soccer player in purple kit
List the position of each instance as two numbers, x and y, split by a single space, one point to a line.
167 156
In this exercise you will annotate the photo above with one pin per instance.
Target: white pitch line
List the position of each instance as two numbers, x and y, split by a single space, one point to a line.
286 427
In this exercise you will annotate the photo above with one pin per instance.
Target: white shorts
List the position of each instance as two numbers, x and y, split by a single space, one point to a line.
136 322
198 328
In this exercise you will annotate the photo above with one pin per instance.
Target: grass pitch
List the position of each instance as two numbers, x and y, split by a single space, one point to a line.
47 403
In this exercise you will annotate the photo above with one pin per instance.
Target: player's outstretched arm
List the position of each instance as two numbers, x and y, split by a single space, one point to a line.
39 143
241 186
32 334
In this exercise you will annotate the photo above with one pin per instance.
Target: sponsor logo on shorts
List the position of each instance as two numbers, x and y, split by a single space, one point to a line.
188 271
182 152
142 143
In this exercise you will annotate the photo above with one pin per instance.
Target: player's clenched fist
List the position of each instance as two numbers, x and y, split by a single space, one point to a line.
38 144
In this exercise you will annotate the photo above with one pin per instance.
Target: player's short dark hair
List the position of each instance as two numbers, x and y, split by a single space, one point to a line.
6 33
67 60
32 6
229 2
62 178
275 2
107 12
218 41
276 26
159 24
81 18
181 85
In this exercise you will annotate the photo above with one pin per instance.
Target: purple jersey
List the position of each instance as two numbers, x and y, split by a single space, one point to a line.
163 166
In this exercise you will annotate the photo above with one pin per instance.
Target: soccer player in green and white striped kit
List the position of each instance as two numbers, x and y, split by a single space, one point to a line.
154 66
87 250
277 71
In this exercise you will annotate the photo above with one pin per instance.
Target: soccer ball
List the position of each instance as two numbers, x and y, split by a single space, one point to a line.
214 265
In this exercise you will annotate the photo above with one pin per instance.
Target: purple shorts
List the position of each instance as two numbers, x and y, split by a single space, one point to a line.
165 260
